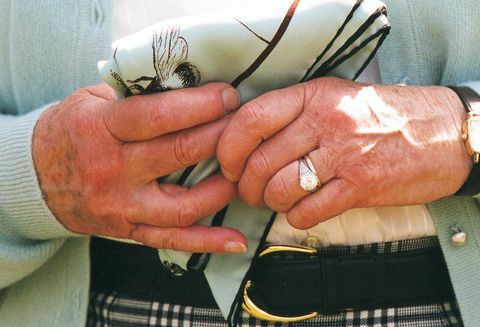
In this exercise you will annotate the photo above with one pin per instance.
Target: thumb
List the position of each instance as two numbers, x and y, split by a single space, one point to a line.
146 117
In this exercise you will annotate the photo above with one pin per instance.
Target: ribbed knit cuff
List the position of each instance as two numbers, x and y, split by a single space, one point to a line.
23 210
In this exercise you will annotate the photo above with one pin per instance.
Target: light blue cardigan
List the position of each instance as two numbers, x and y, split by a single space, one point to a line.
49 48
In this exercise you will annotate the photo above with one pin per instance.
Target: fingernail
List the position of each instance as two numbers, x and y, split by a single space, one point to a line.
231 99
235 247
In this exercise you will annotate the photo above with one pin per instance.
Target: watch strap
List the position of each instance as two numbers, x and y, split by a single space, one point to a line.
469 98
471 102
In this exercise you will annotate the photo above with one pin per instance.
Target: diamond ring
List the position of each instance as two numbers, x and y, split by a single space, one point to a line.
308 178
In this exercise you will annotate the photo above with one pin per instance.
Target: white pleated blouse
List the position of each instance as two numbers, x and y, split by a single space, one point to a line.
357 226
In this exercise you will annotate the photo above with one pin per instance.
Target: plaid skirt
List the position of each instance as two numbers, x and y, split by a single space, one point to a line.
113 309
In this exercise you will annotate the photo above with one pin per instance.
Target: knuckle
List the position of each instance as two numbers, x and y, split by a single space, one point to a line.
311 210
298 220
308 211
170 240
129 211
99 91
303 93
138 234
356 193
277 192
309 128
187 214
305 215
368 175
259 163
157 116
79 96
323 111
110 117
249 196
185 150
252 114
154 112
326 162
327 158
203 246
214 101
365 176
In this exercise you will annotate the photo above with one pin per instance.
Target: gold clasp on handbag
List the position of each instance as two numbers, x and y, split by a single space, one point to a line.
250 307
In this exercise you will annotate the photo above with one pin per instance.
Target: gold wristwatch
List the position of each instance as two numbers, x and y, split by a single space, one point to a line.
471 127
471 136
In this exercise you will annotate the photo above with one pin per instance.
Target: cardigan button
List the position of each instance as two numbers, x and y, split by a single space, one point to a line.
459 237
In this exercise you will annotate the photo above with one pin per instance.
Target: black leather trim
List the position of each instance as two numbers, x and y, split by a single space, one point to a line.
297 284
136 271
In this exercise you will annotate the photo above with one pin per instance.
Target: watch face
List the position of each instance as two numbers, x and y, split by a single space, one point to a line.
473 128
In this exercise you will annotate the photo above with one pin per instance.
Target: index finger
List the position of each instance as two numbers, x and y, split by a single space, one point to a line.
145 117
254 123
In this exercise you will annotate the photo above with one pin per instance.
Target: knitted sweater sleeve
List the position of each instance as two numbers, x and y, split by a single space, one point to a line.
29 233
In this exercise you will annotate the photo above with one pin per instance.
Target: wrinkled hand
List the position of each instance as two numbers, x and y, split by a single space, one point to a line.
370 145
98 161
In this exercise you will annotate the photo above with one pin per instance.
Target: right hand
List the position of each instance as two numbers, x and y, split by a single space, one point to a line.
98 160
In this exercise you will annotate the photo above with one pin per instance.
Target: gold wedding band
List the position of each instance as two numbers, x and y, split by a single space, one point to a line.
308 179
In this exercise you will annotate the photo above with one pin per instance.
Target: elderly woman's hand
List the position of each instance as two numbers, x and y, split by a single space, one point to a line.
371 145
98 160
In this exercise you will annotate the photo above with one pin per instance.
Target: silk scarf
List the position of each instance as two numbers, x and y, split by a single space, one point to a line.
256 50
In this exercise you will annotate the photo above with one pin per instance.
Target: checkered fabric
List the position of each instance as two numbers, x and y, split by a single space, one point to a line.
112 309
108 309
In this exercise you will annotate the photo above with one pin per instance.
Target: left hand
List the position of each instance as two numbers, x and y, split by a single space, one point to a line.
371 145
